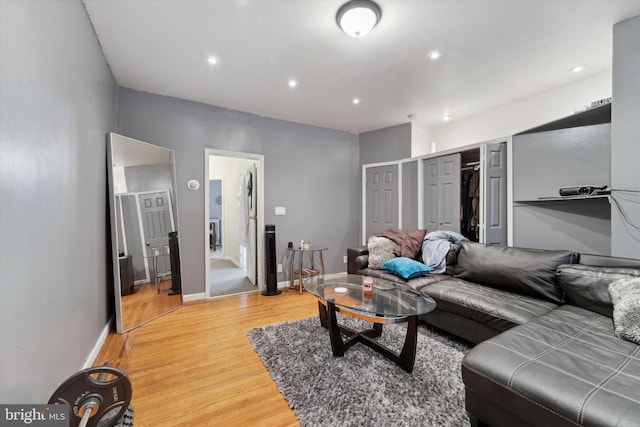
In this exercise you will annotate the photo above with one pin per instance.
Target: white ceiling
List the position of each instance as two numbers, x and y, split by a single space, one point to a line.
494 52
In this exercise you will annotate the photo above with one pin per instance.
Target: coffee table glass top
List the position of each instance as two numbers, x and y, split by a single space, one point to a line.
389 299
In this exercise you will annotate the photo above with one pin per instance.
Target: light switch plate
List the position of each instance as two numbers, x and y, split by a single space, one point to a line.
281 210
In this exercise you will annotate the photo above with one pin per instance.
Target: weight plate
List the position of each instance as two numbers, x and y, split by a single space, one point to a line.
111 387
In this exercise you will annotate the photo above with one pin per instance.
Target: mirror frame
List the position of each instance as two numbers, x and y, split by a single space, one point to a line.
120 328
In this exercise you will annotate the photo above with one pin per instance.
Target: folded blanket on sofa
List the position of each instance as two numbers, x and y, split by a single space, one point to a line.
435 246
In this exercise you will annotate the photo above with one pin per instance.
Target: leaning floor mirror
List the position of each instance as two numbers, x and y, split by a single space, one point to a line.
144 216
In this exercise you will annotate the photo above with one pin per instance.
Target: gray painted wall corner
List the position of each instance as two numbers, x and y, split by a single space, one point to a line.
384 145
58 102
625 138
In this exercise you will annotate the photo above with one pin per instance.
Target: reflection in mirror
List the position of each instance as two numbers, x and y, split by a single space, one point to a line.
143 231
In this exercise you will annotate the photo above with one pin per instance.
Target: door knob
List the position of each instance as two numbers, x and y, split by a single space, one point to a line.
147 244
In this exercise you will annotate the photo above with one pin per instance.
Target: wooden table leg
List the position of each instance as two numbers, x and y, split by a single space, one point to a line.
407 357
322 313
337 345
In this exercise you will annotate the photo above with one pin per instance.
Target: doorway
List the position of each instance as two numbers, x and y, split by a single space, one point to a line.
234 216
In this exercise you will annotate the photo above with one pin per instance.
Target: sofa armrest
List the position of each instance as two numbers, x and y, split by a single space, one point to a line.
357 259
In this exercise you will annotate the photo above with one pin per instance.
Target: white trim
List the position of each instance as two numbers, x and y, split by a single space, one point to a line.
286 283
259 158
193 297
400 191
420 194
509 191
93 355
364 206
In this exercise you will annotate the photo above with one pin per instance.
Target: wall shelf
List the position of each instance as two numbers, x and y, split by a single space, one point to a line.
601 198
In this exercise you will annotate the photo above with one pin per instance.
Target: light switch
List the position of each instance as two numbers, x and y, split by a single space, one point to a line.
281 210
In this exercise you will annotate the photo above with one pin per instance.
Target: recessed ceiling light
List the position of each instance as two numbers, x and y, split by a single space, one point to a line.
446 118
293 83
356 101
577 69
212 60
434 54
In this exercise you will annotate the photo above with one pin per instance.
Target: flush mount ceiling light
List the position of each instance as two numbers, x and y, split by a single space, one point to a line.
358 17
577 69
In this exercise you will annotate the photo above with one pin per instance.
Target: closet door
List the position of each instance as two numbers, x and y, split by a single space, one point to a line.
442 193
495 193
431 194
449 177
382 189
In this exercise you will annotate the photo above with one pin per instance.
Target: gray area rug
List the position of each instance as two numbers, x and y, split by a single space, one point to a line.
363 388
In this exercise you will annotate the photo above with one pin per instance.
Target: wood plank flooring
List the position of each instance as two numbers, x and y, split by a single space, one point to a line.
146 304
196 367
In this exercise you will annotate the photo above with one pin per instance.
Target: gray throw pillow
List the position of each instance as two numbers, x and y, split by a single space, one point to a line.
381 250
625 295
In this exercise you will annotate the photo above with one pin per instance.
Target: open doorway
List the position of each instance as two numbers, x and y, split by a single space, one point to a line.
234 213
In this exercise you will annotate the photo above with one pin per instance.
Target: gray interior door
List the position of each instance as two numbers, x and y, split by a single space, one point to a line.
157 223
495 191
449 178
382 190
431 194
442 193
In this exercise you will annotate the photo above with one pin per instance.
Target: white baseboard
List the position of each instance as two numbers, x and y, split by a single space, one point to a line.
286 283
98 346
193 297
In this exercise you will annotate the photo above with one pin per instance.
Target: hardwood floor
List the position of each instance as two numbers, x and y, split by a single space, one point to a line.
146 304
196 367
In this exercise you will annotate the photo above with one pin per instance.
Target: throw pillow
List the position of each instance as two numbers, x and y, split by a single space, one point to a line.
406 268
625 295
380 250
412 244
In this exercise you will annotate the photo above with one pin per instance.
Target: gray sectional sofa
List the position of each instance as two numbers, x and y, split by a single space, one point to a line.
546 353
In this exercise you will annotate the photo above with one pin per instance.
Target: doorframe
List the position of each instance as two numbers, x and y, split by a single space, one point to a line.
259 158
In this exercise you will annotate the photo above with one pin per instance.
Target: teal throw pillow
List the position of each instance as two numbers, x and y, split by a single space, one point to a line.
406 268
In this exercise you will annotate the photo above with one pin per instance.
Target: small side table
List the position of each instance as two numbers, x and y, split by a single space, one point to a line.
305 263
158 277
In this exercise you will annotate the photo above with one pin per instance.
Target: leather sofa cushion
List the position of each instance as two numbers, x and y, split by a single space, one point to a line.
525 271
497 309
588 287
566 367
416 283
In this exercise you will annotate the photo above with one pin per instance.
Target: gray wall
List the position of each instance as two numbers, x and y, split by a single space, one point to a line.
625 137
311 171
384 145
57 104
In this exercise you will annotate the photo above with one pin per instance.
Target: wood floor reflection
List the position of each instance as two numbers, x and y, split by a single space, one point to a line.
145 304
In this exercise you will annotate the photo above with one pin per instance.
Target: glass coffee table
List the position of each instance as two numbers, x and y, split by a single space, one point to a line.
390 302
